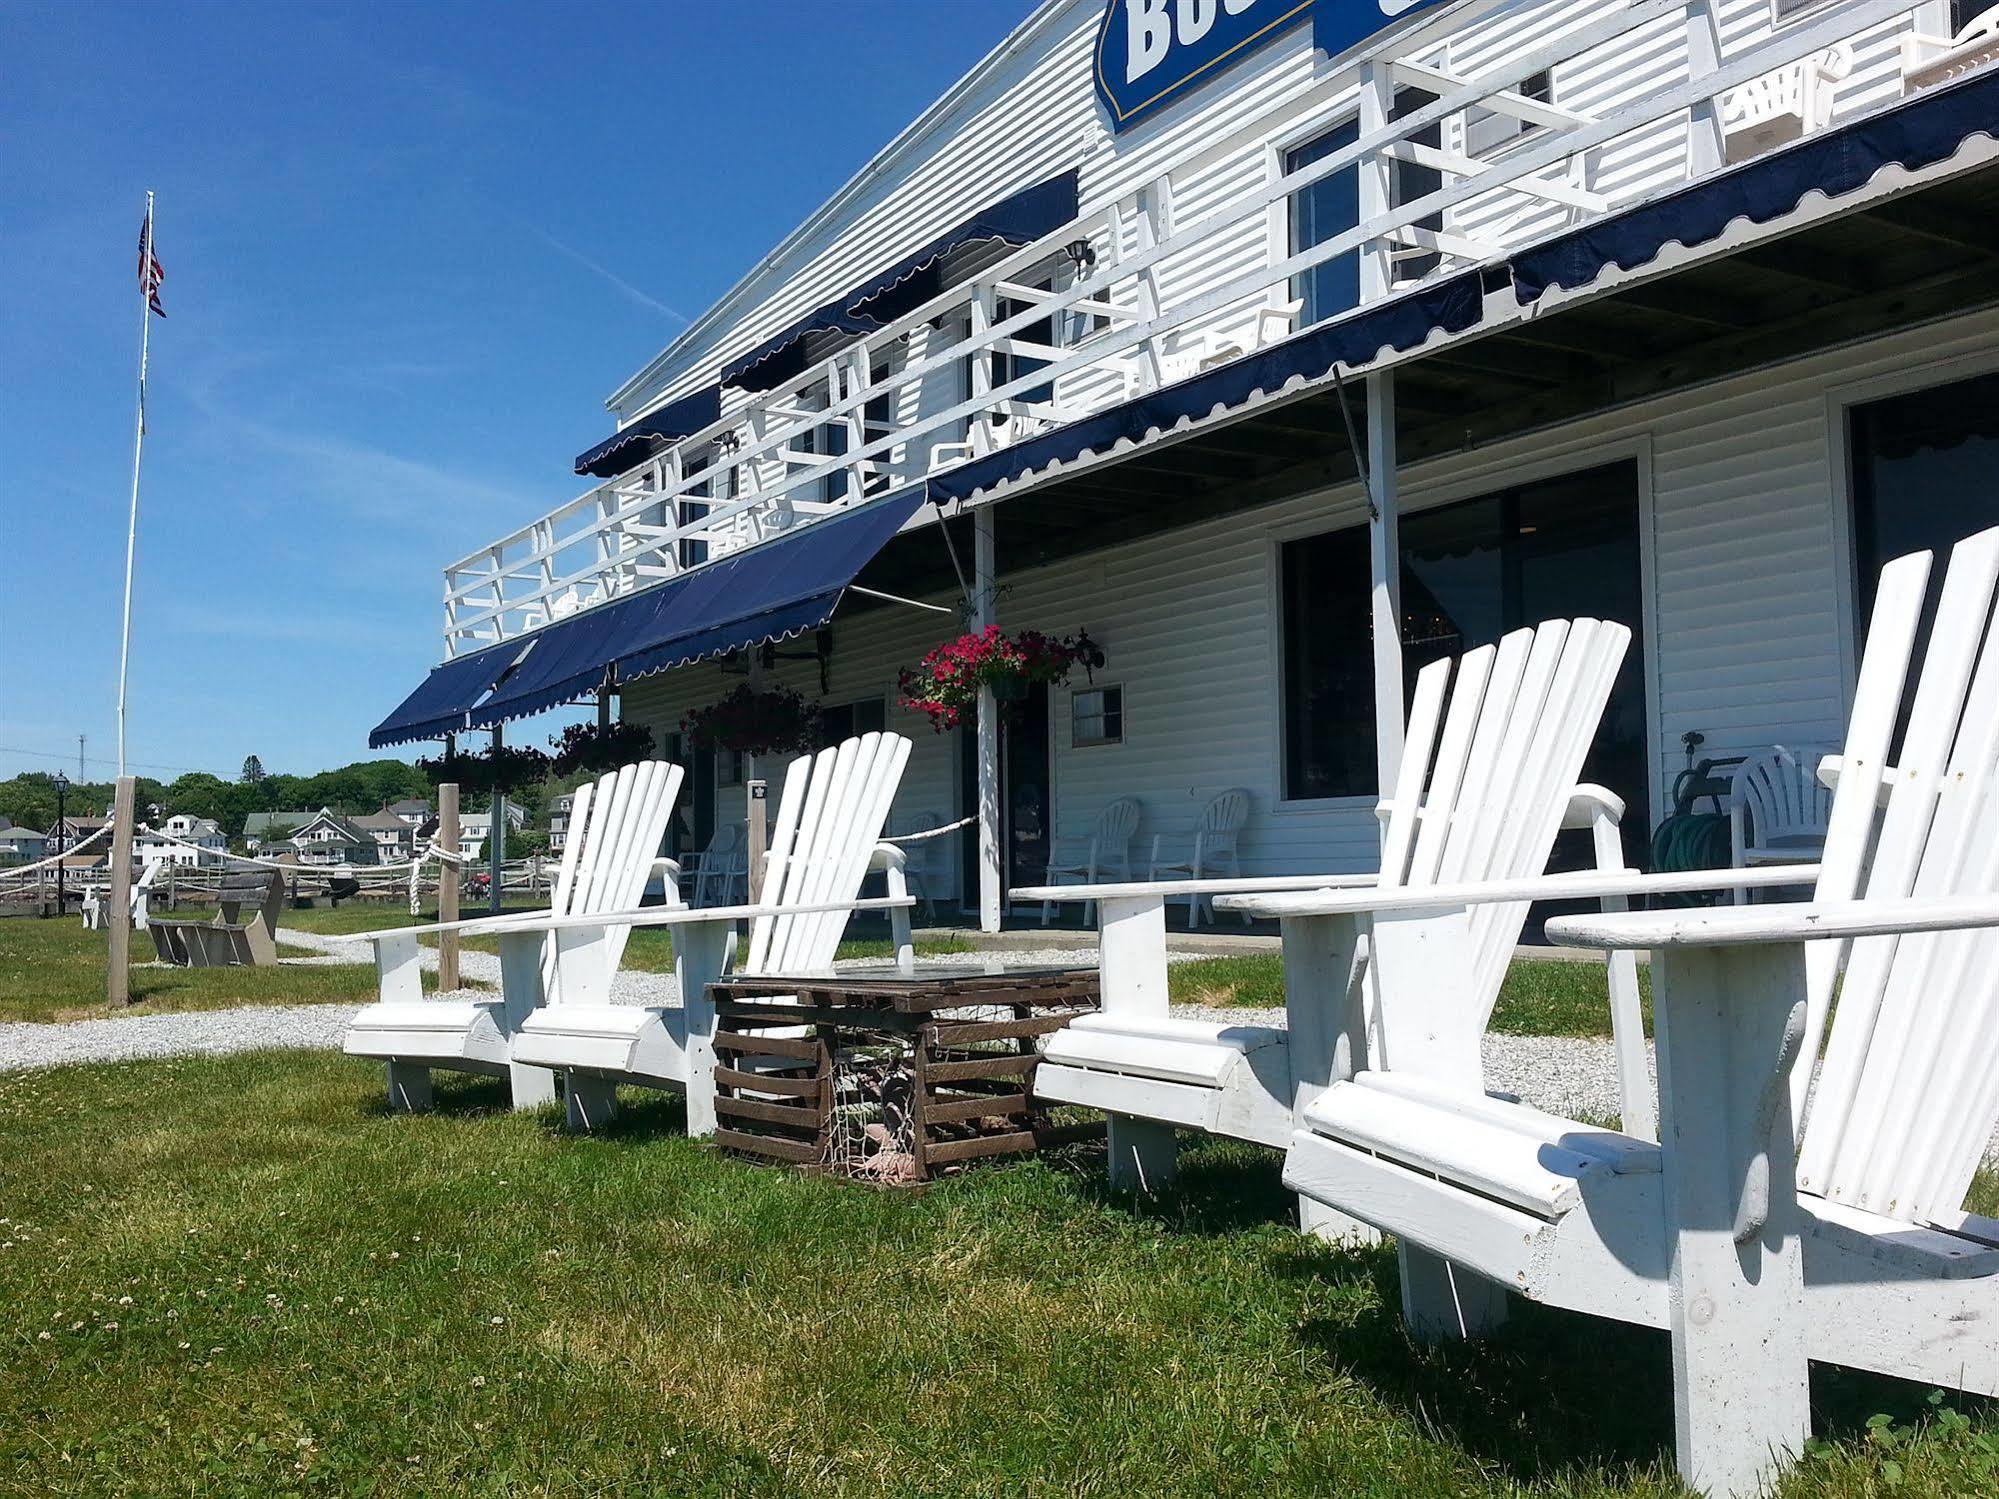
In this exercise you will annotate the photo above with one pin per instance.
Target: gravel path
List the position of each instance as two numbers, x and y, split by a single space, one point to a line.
1574 1076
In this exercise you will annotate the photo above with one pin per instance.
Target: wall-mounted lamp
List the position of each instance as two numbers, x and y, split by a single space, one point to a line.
1090 654
1081 253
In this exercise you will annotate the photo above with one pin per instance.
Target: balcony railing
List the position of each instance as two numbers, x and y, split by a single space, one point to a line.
867 417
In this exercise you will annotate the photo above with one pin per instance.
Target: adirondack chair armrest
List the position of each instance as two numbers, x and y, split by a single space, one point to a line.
1584 885
472 926
1160 889
1798 921
644 916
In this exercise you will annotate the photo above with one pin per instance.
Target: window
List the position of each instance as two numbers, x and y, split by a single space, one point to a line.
1784 10
1096 716
869 715
1006 366
1487 131
1331 206
1326 209
1471 572
878 418
1922 478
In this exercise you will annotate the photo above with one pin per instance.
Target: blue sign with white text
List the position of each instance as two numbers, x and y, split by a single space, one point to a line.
1150 52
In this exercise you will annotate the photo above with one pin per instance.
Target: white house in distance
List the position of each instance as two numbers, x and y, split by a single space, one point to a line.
22 845
1283 359
203 832
473 828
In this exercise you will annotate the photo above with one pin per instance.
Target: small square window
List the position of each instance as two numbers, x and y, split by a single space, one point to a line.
1096 717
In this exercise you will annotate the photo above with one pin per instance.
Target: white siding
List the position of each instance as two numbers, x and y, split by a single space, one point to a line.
1030 112
1748 638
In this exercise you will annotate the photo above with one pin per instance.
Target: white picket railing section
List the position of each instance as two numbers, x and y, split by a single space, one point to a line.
765 468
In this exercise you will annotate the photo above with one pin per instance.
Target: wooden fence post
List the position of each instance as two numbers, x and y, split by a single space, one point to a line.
118 920
448 875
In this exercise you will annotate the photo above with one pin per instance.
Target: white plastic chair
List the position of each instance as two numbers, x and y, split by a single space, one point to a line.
1929 60
989 432
721 870
1213 851
1104 852
1777 811
920 859
615 833
1191 353
1782 106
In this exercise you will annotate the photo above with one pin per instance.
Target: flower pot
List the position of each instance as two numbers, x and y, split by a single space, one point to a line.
1010 690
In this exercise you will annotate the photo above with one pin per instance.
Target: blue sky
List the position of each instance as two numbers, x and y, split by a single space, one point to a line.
409 250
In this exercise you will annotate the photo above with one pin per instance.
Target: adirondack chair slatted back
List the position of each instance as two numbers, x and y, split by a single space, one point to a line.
1908 1091
617 826
1500 762
830 816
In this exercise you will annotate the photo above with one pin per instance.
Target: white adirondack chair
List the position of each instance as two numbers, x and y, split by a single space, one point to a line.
1486 782
825 839
612 850
1105 851
1759 1247
1216 834
1777 811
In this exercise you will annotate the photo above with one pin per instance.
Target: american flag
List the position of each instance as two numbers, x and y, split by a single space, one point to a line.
150 274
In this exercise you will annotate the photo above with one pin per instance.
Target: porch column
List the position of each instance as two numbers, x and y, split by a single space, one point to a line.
1384 550
983 580
496 834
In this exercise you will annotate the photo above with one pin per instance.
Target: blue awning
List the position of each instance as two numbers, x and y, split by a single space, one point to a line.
630 444
767 592
1448 307
1917 132
1019 219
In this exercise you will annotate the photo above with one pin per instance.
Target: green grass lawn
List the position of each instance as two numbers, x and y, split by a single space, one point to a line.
54 970
1541 996
240 1276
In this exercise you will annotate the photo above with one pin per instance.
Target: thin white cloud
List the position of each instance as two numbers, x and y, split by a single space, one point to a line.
644 299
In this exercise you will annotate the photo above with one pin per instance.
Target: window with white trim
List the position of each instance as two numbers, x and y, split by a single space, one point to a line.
1096 716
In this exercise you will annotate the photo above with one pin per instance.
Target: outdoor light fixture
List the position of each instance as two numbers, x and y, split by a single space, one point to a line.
1082 253
1090 654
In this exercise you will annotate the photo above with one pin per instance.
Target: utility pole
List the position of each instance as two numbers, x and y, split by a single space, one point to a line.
61 840
81 773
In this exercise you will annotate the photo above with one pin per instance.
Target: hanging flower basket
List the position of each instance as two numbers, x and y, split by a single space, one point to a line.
507 769
944 685
599 747
752 721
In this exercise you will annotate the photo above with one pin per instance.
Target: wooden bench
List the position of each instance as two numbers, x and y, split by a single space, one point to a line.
227 941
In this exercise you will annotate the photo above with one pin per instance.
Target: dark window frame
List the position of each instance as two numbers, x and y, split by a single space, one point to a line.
1323 581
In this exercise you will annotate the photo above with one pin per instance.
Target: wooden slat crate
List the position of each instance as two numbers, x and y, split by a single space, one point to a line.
886 1075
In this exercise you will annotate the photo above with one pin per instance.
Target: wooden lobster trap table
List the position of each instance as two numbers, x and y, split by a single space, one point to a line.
887 1074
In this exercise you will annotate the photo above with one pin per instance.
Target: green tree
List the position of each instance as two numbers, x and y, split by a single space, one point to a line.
253 770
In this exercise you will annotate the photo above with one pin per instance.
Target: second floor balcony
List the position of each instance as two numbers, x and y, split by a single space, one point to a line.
1393 176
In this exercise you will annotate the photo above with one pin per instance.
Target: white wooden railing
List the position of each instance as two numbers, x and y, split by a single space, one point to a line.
755 474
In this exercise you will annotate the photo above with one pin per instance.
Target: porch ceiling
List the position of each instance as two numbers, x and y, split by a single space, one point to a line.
1892 264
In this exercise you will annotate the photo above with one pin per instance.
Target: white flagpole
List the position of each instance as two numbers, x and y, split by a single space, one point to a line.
138 447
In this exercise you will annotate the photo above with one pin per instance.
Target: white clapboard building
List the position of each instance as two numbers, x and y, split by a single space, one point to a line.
1282 347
